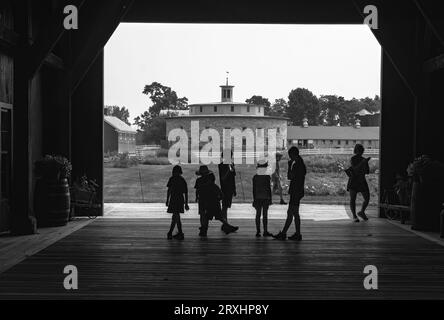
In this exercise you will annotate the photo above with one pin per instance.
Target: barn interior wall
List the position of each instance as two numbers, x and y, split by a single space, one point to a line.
434 122
87 125
397 125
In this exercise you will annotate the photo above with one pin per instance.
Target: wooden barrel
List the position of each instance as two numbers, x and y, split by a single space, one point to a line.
52 203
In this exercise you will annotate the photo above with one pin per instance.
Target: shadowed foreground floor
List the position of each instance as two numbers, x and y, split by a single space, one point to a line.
131 258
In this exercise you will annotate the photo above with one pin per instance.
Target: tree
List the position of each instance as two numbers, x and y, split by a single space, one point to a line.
120 112
303 103
278 108
372 105
260 101
333 110
155 133
163 98
151 127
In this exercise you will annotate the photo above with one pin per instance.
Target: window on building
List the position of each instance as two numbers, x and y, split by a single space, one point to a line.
215 108
346 142
278 130
248 108
331 141
260 109
339 142
228 94
370 142
323 141
354 141
232 108
201 108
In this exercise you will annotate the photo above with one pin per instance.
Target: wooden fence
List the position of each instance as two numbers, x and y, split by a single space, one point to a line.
146 150
335 151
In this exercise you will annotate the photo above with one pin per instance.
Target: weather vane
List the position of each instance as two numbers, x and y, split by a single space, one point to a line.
227 76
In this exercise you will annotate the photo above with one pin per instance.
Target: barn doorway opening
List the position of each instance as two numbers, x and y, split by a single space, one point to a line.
322 82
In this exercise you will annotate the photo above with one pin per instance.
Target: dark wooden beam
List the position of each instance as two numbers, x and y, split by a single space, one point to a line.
431 11
22 220
48 39
91 39
54 61
394 36
234 11
434 63
87 127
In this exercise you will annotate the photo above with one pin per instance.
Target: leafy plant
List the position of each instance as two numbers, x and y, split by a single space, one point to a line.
53 167
416 168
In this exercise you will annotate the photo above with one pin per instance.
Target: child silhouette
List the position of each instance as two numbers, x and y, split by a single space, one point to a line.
177 200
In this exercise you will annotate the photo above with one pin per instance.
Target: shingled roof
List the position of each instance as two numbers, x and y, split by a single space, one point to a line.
118 124
332 133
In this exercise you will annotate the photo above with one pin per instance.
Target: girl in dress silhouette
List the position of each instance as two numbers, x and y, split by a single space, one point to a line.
177 201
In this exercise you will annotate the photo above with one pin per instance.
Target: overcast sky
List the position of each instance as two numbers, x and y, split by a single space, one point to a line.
267 60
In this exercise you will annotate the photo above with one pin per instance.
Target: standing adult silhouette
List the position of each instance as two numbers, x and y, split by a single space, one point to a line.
357 183
296 175
227 179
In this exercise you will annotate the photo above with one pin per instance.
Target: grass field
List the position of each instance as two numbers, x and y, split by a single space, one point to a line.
124 184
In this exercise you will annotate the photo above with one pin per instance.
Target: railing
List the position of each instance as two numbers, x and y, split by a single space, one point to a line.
324 151
335 151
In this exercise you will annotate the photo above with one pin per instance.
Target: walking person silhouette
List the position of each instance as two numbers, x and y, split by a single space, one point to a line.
208 197
357 182
177 200
296 175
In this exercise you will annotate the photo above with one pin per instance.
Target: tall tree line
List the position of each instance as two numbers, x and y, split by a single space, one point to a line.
326 110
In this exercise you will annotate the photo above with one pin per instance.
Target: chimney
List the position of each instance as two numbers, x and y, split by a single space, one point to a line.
357 123
305 122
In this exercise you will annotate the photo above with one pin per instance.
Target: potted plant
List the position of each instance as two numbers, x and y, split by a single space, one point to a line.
52 197
427 193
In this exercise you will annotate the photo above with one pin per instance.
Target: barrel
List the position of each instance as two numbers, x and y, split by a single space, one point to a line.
52 202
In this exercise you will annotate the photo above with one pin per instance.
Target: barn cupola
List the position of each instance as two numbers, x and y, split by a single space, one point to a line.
305 122
226 92
357 123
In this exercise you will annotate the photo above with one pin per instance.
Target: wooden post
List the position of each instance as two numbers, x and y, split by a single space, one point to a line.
22 220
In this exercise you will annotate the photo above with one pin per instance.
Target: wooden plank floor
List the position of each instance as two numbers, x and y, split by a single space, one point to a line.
131 258
14 249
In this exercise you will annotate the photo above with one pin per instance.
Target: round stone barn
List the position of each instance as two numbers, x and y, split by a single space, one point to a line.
227 114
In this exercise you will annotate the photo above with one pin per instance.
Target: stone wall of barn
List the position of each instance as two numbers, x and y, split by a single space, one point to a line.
241 123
